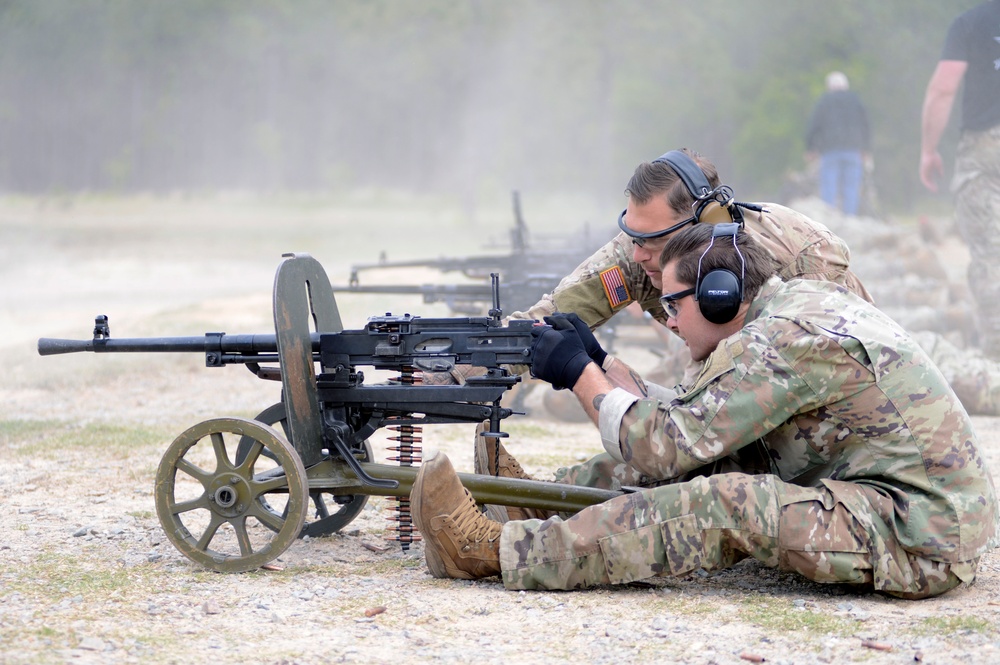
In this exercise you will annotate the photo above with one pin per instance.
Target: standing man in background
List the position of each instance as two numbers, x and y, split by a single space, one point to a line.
971 53
838 132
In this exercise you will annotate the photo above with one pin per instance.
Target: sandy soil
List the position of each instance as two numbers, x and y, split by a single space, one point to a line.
87 575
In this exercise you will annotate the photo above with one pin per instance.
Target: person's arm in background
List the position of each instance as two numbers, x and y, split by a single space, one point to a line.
938 102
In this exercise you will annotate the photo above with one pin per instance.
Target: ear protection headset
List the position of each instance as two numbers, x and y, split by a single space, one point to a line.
709 207
720 292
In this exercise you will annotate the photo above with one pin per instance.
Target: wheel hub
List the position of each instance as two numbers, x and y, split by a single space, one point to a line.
230 494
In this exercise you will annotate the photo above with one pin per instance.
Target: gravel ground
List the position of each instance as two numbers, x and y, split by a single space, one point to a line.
87 576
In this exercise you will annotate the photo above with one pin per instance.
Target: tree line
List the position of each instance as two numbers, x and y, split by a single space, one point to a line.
459 96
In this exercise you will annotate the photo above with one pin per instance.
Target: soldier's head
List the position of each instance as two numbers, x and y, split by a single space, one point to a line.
837 81
666 195
711 273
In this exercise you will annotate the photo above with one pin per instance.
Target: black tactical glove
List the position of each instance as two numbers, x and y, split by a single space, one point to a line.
558 356
590 343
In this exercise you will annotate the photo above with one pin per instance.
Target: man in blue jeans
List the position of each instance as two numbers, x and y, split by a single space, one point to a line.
838 132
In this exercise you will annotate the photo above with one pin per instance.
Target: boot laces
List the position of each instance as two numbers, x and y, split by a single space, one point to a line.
472 524
515 468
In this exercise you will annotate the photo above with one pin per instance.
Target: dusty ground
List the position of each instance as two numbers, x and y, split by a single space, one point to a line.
86 574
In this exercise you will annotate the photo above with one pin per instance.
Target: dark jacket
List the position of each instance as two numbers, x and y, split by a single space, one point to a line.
838 122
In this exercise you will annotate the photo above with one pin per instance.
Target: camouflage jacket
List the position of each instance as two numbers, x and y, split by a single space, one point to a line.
837 393
802 247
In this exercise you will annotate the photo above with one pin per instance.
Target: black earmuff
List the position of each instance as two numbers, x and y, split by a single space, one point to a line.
707 209
720 292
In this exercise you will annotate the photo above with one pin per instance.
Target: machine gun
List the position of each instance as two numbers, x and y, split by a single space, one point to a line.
233 493
532 272
466 298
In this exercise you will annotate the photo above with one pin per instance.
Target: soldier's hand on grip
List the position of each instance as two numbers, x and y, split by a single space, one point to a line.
558 356
594 349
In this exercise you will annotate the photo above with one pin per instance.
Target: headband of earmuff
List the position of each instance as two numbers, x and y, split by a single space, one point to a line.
707 208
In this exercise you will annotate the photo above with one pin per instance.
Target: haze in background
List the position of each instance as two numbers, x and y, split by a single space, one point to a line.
467 97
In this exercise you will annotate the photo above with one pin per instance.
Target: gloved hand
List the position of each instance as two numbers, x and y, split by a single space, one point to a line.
590 343
558 356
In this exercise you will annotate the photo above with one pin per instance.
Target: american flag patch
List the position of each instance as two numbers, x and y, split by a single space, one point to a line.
614 286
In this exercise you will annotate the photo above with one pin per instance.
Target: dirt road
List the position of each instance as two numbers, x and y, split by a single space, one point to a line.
87 576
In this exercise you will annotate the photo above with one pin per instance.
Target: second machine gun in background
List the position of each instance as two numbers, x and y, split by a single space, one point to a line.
232 493
529 272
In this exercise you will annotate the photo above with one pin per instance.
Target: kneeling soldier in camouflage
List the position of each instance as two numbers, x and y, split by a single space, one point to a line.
875 478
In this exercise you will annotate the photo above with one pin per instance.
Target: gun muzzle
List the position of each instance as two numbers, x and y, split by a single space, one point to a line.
48 346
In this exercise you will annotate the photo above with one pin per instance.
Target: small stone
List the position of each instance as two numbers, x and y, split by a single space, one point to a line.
92 644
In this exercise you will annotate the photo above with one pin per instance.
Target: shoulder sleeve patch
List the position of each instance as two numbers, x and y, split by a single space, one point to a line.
614 286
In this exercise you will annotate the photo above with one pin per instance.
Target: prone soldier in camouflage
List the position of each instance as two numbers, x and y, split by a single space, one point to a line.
875 480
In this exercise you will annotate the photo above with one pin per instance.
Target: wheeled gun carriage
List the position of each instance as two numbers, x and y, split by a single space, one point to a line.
232 493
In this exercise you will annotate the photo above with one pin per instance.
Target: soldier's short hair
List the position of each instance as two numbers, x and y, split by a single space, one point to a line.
659 178
686 247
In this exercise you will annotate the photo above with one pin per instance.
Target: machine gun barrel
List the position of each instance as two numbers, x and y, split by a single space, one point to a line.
211 342
219 348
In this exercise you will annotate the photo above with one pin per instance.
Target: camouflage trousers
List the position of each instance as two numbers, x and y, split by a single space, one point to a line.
838 533
976 186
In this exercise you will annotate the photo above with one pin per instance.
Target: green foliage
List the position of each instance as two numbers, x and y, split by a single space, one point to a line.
946 626
446 95
779 615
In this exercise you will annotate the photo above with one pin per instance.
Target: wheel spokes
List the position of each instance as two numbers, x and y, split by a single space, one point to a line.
195 472
221 456
188 506
242 537
251 455
267 517
210 531
231 519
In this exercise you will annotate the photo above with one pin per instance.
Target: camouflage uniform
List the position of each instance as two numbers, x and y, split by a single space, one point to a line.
974 377
802 247
876 479
805 249
976 186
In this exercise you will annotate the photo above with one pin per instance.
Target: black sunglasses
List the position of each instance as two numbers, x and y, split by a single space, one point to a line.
669 301
640 239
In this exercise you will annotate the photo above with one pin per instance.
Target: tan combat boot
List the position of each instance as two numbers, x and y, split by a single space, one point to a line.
459 541
491 456
492 459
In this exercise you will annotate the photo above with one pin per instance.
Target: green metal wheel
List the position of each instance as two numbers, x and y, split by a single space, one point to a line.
226 515
331 510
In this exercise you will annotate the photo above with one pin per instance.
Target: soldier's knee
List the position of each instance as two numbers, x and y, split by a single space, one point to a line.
673 547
